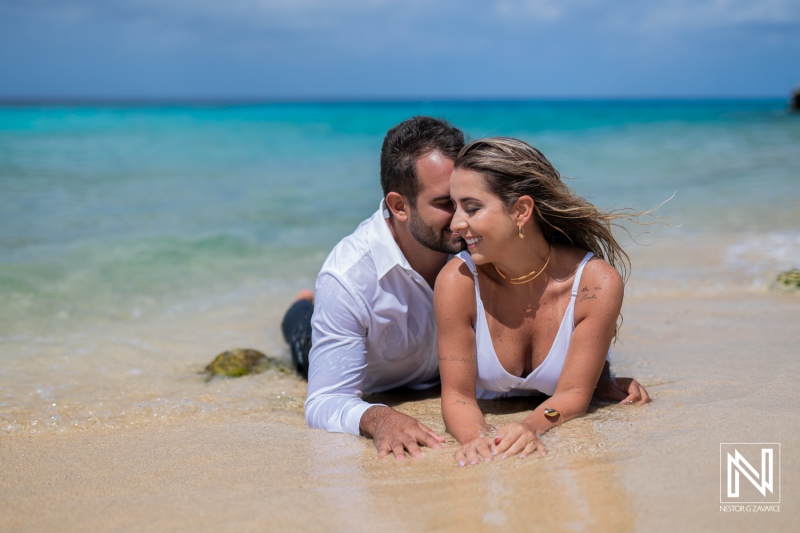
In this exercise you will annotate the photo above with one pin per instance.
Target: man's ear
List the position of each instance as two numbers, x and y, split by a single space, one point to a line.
523 210
398 205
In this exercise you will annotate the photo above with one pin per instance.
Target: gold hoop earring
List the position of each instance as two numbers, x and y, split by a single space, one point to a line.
521 233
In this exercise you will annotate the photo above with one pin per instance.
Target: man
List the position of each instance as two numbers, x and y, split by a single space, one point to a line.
373 327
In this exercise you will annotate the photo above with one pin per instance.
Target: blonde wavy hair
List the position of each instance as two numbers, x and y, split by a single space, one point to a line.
513 168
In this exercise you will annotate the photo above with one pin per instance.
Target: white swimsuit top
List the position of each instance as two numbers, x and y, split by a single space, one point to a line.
493 380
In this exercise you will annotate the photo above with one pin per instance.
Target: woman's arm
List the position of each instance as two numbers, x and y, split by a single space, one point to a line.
596 310
626 391
454 305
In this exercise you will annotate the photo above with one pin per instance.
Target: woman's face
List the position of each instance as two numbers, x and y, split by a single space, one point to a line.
481 218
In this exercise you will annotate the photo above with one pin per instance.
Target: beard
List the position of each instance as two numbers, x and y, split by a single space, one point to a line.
429 238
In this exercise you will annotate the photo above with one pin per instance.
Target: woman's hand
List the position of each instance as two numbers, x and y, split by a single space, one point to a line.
474 451
516 439
626 391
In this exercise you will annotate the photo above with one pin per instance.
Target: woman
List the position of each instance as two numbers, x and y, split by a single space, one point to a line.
532 307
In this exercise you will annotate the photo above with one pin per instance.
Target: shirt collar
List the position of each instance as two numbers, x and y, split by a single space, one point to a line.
386 254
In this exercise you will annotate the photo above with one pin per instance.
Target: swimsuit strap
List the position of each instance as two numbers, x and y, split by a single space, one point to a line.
464 256
577 282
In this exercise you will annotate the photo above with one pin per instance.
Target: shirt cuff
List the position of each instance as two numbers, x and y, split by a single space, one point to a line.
352 423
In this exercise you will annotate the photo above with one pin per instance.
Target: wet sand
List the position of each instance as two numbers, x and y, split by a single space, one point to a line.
719 370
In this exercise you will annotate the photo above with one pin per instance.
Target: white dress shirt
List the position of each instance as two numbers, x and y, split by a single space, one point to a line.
373 327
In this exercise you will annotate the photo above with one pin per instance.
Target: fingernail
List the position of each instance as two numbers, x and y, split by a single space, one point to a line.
462 463
503 456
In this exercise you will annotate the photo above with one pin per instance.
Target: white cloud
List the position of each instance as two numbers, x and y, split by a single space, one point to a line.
301 15
649 14
539 10
657 16
542 10
249 26
244 11
693 14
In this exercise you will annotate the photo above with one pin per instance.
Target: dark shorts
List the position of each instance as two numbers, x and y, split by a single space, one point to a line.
296 327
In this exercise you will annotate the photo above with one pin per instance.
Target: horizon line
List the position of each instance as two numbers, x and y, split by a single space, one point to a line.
21 101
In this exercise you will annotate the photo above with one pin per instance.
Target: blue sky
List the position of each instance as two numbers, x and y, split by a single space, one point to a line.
313 49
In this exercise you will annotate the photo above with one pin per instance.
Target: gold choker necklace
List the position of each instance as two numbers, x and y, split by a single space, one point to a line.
527 277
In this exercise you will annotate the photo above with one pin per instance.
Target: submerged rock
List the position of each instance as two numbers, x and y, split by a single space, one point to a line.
794 101
787 281
242 361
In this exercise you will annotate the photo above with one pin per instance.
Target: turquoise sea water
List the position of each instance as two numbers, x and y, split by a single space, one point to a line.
122 218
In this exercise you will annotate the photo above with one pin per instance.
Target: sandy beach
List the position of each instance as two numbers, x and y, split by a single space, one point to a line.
136 243
720 369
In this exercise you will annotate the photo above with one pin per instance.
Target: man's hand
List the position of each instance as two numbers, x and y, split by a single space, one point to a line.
623 390
394 432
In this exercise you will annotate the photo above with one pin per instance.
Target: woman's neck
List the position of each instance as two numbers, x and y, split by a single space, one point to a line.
525 261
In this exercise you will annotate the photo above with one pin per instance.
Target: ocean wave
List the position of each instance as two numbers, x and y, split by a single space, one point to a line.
765 252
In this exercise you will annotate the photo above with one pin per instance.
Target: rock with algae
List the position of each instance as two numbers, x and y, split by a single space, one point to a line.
788 281
242 361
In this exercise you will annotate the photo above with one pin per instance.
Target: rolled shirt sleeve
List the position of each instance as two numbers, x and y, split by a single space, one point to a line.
338 359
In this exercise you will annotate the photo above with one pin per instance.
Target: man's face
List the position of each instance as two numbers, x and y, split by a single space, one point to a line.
429 221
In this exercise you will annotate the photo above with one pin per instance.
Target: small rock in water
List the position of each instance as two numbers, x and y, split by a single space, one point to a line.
794 101
788 281
240 362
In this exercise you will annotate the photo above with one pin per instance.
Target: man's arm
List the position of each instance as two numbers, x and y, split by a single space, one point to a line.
337 370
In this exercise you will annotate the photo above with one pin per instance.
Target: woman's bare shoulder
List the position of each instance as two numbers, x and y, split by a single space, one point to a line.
600 290
599 273
454 275
455 286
